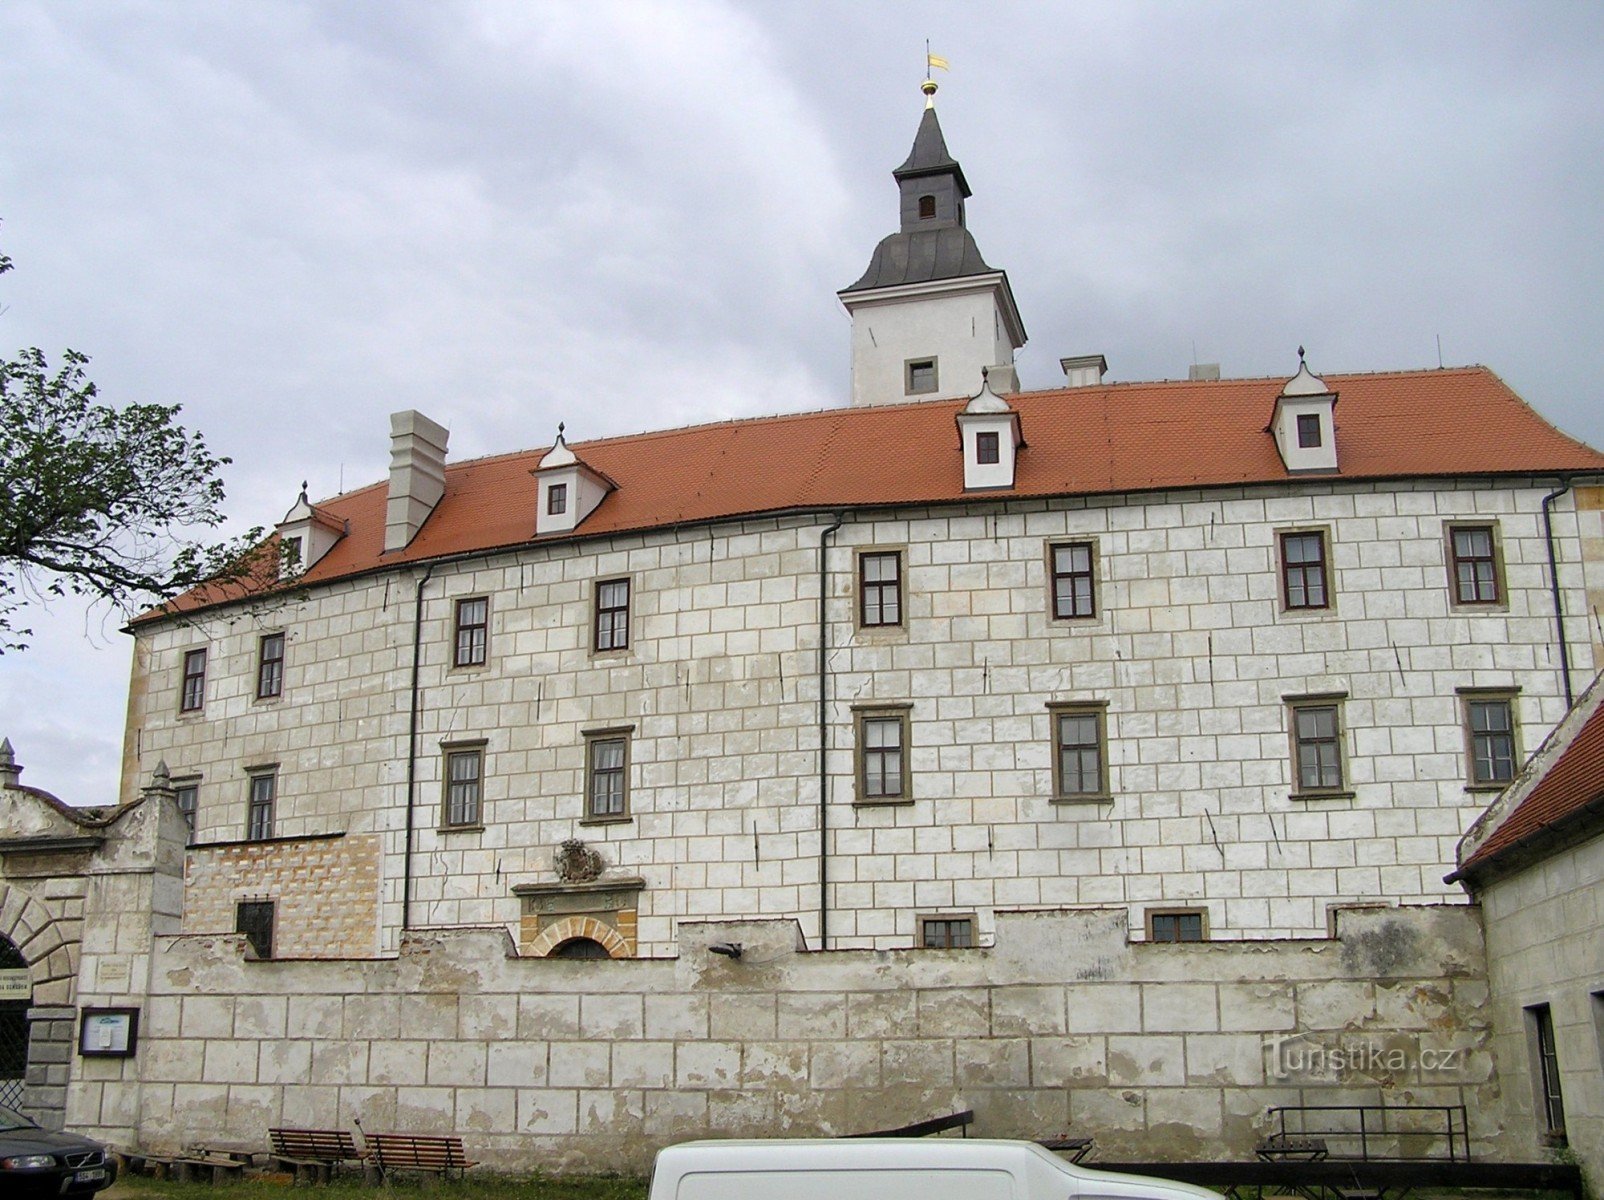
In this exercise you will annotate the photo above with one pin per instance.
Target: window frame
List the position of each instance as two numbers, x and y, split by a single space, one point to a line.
988 447
897 590
190 784
1296 705
450 751
261 830
927 207
1469 700
257 904
556 499
924 921
617 628
270 670
594 739
1153 916
192 684
1548 1093
1098 711
1494 558
1306 424
476 633
1322 564
1055 578
900 715
913 366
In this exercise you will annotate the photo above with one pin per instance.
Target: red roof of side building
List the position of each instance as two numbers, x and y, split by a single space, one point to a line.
1111 438
1551 804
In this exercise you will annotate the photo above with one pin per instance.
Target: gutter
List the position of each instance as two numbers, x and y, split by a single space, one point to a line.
824 780
412 752
1553 581
1522 851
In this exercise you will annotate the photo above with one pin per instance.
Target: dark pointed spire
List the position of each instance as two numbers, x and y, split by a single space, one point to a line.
929 155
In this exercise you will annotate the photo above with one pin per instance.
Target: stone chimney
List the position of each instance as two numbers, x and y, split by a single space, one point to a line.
417 476
1084 370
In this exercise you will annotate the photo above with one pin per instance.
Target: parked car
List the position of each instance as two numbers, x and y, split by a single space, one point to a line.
38 1162
893 1169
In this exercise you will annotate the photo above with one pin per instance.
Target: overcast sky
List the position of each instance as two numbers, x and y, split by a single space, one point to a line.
296 218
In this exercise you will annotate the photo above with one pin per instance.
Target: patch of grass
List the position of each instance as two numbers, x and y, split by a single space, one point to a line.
350 1186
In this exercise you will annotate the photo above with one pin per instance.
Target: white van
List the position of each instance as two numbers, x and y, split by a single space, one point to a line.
892 1169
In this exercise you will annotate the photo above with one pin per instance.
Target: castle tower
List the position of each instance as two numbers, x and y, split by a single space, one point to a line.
929 314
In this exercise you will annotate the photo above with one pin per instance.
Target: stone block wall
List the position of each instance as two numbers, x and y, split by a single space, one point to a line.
1545 946
1157 1051
325 892
1191 652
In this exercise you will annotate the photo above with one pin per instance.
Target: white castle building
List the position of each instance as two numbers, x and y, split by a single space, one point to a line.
1034 679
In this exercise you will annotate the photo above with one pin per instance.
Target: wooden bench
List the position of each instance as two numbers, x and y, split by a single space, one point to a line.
1280 1147
312 1154
438 1153
1073 1149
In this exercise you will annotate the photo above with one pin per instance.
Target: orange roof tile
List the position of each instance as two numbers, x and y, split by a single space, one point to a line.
1109 438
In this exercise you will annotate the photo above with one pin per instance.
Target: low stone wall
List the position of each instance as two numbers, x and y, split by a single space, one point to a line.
1157 1051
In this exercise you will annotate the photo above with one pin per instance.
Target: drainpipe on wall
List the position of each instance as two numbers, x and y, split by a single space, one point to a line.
412 753
1553 580
824 781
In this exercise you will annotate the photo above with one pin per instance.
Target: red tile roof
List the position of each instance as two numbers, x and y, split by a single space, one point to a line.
1110 438
1568 787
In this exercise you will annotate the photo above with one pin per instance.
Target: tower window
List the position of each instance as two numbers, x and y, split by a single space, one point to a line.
927 208
921 375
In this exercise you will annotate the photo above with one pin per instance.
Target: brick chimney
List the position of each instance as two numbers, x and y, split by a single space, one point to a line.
417 476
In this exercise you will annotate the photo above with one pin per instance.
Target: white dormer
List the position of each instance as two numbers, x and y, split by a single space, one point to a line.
305 535
1304 422
990 437
568 491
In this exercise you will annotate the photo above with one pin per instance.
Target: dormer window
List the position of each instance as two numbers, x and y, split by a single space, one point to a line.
921 375
290 557
927 208
557 499
986 447
1304 423
1308 430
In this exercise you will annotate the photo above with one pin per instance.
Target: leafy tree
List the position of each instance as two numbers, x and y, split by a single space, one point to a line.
99 501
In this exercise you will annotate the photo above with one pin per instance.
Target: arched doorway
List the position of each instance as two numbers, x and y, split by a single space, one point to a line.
580 947
16 994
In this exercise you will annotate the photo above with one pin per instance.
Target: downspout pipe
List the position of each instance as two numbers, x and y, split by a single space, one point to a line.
1553 582
412 752
824 779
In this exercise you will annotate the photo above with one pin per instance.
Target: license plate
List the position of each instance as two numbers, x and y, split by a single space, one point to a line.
96 1176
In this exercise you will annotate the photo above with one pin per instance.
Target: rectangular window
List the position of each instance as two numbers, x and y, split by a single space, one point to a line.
557 499
1550 1101
921 375
187 793
1303 570
1176 925
1317 757
270 666
1074 580
473 632
607 774
290 557
464 786
263 794
612 615
1490 737
1080 751
1473 550
254 918
193 694
882 755
880 588
1308 430
987 447
947 933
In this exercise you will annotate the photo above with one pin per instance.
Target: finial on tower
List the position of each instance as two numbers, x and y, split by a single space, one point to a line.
928 87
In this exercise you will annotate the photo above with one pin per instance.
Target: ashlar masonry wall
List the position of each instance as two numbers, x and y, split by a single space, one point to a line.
1162 1051
1191 654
